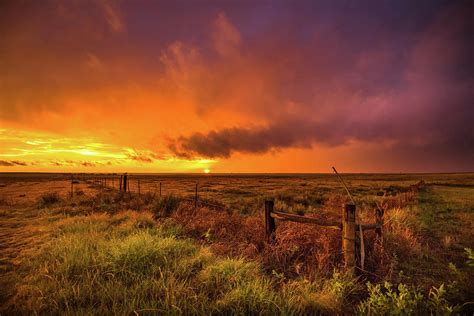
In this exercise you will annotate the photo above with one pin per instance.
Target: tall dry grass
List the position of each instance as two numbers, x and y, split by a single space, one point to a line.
128 263
102 260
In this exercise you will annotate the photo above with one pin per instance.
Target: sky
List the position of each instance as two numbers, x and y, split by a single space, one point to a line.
236 86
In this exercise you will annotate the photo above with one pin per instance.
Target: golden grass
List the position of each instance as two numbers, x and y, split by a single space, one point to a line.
103 252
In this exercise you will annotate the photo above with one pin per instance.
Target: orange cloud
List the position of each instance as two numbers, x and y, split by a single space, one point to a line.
156 87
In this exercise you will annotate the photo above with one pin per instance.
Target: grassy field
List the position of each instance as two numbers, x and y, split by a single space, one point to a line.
106 252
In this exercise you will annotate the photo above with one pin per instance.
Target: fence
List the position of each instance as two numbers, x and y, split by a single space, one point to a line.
352 232
123 182
348 226
108 182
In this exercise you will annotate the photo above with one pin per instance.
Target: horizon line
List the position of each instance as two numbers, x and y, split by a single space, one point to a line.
232 173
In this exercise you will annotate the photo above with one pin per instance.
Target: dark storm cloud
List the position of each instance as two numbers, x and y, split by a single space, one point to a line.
446 140
225 142
302 73
417 93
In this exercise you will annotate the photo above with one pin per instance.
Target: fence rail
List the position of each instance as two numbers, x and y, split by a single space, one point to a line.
123 185
304 219
348 226
352 232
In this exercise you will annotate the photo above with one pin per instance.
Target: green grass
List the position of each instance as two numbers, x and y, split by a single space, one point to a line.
123 254
444 214
113 264
428 243
387 299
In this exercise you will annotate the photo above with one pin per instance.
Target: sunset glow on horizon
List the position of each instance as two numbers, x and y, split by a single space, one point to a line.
222 86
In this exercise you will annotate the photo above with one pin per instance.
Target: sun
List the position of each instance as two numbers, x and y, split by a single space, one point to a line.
206 171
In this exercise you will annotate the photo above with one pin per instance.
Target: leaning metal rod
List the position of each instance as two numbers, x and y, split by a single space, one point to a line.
362 246
345 187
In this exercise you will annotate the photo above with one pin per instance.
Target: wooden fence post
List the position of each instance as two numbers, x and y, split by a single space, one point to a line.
138 186
72 186
160 188
270 226
348 235
124 185
379 221
120 183
196 196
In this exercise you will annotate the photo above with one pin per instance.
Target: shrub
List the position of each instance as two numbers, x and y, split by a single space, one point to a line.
437 302
252 297
302 250
470 257
166 205
401 240
387 300
148 198
226 274
403 300
143 221
135 203
281 206
93 224
95 268
230 234
238 287
189 267
325 295
49 199
142 253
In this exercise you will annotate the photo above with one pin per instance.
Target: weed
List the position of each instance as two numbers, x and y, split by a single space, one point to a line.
437 302
252 297
403 300
49 199
470 257
166 205
385 300
324 295
94 266
226 274
120 253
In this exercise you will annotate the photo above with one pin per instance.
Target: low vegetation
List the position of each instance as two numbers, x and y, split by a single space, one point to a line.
120 253
386 299
100 264
49 199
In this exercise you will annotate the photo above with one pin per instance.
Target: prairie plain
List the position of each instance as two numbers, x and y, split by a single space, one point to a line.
156 250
